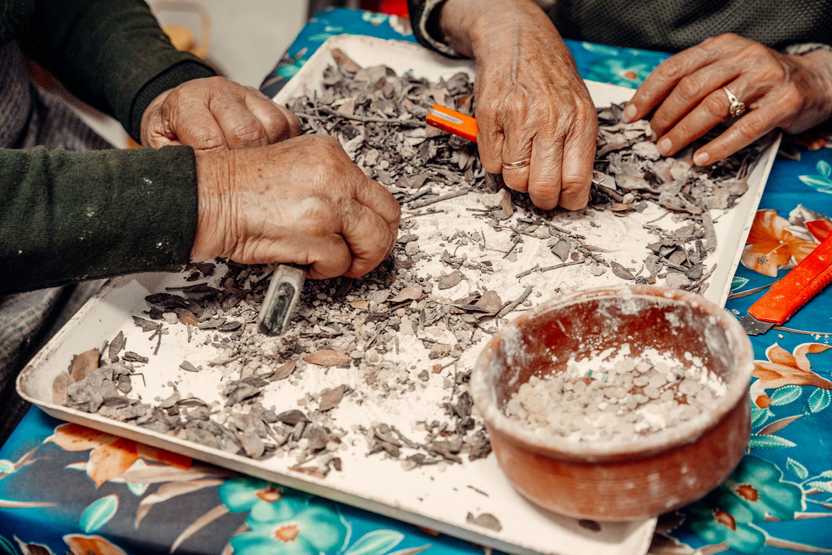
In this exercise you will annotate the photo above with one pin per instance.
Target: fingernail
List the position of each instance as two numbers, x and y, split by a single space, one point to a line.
664 146
629 112
701 158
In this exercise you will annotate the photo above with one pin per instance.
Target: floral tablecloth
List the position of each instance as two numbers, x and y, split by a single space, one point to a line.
65 488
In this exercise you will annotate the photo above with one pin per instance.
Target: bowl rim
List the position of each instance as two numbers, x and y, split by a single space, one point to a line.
485 399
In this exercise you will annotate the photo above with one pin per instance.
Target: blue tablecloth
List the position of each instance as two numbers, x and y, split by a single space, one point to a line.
64 488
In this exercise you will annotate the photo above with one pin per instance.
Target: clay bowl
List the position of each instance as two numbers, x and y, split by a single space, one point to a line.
625 480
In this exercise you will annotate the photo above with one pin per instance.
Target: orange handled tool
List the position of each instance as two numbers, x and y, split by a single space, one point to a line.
788 295
452 121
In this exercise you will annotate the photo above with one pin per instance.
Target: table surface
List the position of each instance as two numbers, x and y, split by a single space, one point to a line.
64 488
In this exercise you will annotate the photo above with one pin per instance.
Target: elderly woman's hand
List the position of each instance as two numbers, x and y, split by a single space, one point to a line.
537 123
689 95
215 113
300 201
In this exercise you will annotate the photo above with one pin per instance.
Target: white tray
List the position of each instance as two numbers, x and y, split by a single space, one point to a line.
430 496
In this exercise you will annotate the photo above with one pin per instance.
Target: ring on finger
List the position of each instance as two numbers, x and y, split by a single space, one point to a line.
736 107
519 164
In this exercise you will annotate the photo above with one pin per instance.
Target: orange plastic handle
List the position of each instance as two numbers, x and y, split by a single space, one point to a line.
452 121
800 285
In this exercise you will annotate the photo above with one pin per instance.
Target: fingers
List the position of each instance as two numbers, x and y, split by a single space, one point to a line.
578 161
378 199
278 123
327 257
192 122
545 171
748 129
519 135
490 139
689 92
239 125
368 236
713 110
665 77
154 132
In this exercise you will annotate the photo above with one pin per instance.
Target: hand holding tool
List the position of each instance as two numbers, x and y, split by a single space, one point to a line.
281 299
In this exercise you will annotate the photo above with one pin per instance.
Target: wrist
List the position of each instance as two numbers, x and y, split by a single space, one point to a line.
818 63
477 26
213 178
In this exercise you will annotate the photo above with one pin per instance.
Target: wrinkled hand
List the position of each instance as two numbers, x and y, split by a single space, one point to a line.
685 94
537 123
301 201
214 113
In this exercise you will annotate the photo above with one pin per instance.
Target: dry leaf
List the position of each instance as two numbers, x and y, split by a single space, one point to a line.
188 367
490 302
450 280
621 271
331 397
360 305
408 294
83 364
187 317
145 324
284 370
328 358
116 345
485 520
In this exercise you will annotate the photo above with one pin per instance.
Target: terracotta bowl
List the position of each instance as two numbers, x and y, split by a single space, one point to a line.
625 480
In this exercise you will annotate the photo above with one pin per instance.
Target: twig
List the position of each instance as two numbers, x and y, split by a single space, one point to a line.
747 292
363 119
615 195
515 303
425 213
513 246
527 272
440 198
559 266
654 220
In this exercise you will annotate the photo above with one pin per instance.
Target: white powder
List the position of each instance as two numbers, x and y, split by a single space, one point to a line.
615 395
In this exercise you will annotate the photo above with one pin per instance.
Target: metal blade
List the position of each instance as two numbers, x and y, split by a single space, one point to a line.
281 299
752 326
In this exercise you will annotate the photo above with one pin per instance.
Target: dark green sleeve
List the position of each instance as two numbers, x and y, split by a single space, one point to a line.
111 54
68 216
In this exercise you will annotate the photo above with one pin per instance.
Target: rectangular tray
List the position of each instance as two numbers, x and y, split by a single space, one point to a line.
436 497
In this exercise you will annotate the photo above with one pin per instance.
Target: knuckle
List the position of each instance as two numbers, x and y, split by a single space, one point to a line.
726 37
671 69
208 140
716 105
487 111
249 133
688 88
792 97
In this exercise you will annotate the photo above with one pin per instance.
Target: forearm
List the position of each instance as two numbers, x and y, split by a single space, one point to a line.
67 216
110 53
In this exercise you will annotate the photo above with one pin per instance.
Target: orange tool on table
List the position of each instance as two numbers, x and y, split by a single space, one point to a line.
454 122
788 295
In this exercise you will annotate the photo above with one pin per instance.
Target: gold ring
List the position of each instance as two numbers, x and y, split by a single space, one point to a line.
736 107
520 164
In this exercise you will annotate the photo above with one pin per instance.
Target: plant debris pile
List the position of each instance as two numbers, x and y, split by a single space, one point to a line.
398 338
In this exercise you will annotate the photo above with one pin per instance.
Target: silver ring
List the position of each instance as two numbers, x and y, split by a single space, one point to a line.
520 164
736 107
